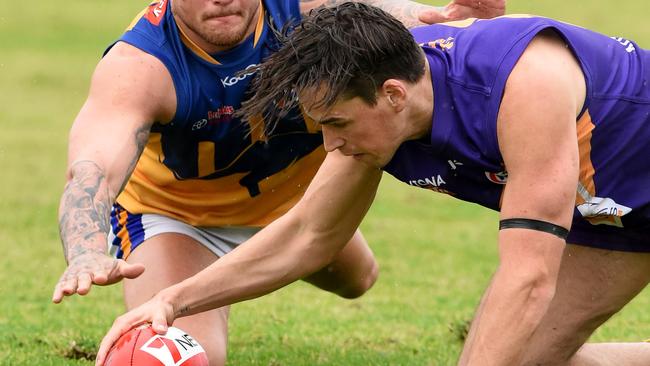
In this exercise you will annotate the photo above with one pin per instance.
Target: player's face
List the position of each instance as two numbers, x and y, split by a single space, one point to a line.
371 134
217 25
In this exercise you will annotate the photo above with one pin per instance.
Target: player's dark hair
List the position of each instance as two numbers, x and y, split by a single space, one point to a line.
349 50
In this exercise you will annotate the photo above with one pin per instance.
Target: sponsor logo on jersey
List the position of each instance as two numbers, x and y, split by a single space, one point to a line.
498 178
441 43
433 181
156 12
629 46
173 348
221 115
454 164
603 211
199 124
232 80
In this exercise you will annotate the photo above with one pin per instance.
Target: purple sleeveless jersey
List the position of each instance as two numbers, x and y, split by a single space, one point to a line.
470 62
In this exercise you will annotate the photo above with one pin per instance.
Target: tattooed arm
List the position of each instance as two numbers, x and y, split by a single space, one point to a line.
414 14
129 89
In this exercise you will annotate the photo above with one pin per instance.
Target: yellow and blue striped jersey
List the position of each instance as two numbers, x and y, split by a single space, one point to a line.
206 167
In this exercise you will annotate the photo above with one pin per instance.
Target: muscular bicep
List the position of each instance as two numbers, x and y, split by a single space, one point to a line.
536 129
129 91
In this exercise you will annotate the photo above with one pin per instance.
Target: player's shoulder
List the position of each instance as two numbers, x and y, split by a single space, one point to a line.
126 59
142 79
546 54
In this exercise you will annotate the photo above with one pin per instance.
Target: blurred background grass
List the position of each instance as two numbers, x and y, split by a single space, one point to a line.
436 254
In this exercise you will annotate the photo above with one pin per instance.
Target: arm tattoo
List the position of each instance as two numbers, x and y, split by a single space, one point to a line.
86 204
183 310
84 210
141 138
406 12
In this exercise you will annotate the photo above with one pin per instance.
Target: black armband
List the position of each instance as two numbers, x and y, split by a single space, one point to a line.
547 227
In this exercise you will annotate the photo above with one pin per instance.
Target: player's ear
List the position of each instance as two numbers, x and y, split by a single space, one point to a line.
395 93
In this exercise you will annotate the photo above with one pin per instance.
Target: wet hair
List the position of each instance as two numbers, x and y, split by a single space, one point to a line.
348 51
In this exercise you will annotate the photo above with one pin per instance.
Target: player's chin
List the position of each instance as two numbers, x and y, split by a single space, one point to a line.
214 33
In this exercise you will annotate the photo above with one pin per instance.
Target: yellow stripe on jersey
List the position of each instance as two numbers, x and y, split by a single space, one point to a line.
596 210
195 48
123 234
260 25
223 201
204 55
460 23
469 21
136 19
516 16
206 158
586 185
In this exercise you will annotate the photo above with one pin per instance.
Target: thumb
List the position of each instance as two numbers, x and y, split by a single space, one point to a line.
159 324
128 270
432 16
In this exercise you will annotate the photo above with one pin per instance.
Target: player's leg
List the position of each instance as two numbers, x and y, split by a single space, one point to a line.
352 272
170 258
593 284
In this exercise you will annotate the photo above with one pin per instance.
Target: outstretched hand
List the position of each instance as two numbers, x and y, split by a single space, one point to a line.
463 9
156 311
91 268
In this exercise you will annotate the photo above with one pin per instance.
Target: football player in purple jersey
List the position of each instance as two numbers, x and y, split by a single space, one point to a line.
159 164
546 122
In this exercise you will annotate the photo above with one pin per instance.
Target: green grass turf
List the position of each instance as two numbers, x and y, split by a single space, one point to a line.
436 254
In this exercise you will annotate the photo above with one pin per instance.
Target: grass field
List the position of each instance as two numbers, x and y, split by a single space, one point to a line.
436 254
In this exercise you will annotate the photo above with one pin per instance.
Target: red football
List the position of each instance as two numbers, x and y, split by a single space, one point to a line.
141 346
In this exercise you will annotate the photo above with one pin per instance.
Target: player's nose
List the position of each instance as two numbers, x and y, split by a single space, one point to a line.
331 141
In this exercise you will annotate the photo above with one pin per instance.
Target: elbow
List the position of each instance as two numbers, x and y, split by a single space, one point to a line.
362 284
343 266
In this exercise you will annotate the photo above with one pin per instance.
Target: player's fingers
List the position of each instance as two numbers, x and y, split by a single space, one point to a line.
120 326
470 3
100 278
432 16
57 296
159 323
121 269
84 281
69 287
105 346
130 270
456 12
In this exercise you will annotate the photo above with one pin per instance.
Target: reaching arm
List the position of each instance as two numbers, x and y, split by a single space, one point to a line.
295 245
128 91
537 137
414 14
